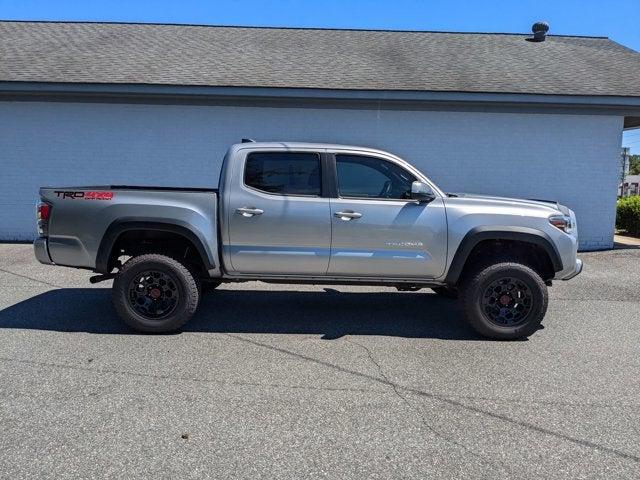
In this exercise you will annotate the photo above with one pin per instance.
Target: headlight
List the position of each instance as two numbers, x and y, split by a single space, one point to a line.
563 222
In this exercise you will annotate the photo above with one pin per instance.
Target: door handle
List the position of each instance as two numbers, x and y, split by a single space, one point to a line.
348 215
249 211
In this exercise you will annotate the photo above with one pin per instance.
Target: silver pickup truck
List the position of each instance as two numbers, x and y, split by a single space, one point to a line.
317 214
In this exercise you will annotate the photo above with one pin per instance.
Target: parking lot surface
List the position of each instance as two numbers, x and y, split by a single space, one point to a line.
278 381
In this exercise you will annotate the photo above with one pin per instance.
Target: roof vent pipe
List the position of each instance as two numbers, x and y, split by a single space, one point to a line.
539 30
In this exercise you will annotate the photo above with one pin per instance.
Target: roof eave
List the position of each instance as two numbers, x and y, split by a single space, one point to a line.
448 97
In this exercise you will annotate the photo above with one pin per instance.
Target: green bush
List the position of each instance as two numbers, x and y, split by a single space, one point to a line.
628 214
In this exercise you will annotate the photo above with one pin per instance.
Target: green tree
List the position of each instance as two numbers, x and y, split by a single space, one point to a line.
634 165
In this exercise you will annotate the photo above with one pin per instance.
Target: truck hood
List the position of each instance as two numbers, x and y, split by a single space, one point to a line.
551 205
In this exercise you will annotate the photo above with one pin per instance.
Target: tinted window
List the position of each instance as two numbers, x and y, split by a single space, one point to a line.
372 177
284 173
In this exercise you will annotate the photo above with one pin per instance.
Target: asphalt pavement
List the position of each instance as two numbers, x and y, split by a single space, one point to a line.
279 381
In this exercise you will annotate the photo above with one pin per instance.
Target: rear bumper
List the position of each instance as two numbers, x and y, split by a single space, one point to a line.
41 250
576 271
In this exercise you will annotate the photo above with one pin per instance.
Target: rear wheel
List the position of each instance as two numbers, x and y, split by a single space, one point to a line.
155 293
504 301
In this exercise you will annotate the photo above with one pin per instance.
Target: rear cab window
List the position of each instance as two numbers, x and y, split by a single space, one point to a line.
284 173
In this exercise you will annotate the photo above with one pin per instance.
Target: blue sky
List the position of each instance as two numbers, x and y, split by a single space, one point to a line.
616 19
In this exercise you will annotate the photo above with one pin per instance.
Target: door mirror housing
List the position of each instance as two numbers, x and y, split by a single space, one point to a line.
421 192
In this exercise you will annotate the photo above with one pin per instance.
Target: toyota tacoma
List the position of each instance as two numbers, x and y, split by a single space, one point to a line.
315 214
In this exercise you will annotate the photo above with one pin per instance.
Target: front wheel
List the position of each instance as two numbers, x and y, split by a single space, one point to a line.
155 293
504 301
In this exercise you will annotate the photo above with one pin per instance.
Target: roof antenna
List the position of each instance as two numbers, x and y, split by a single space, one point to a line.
248 140
539 30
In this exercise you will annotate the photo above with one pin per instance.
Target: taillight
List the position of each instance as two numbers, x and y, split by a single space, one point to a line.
44 210
43 213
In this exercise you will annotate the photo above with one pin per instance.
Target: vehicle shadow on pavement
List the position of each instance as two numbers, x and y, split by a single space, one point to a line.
331 313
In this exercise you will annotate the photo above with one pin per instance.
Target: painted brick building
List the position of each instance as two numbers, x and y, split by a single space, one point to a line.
95 103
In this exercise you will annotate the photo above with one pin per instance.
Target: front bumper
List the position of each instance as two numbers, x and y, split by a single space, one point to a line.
576 271
41 250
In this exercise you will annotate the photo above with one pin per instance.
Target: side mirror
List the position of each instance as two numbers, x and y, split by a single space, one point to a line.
421 192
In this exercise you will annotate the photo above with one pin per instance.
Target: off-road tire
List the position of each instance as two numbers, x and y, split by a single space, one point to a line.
446 292
478 280
187 287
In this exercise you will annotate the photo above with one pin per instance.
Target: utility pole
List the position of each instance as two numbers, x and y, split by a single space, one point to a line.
624 163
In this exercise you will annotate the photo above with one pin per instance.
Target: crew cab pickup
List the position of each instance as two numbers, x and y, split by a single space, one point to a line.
318 214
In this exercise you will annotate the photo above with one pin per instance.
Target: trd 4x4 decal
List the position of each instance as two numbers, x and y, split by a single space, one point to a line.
85 195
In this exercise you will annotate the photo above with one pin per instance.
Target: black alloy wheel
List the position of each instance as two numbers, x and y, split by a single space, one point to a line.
153 294
156 293
504 300
507 301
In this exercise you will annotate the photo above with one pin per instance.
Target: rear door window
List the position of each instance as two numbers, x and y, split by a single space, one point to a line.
284 173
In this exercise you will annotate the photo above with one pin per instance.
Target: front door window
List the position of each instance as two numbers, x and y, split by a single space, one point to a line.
371 177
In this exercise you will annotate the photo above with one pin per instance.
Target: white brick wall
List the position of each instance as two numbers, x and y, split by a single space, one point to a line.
571 158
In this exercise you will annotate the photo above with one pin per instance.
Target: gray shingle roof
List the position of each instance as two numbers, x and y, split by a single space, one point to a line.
314 58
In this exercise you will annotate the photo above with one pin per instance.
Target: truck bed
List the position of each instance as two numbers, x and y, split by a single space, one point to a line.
82 217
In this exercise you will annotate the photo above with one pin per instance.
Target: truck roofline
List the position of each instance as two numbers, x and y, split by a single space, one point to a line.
333 147
306 145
